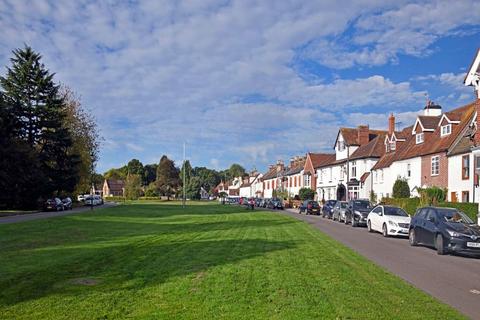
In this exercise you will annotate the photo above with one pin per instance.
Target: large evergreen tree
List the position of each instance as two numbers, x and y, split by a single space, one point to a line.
35 116
168 179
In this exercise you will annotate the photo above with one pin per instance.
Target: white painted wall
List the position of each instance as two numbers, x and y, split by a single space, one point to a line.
383 179
293 191
340 155
455 182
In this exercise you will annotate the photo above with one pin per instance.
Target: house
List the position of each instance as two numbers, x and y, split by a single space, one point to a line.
293 178
113 188
204 194
346 176
435 151
312 163
247 189
234 187
273 179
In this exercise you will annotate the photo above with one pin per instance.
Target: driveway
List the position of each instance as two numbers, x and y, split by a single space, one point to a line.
452 279
50 214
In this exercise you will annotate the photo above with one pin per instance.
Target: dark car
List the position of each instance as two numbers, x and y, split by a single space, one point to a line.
258 202
67 203
275 204
249 203
446 229
357 212
53 204
309 207
327 210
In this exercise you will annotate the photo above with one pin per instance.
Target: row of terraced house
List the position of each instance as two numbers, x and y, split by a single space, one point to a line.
441 148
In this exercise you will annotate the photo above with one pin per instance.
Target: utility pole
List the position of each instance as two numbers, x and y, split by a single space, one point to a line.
184 180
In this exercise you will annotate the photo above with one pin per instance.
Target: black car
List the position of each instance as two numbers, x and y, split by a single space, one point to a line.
446 229
258 202
67 203
53 204
275 204
357 212
309 207
327 210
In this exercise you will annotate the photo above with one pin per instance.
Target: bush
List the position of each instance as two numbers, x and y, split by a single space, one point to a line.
470 209
150 198
151 190
401 189
432 196
410 205
306 194
114 198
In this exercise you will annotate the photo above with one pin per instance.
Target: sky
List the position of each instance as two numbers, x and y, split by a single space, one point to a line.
246 81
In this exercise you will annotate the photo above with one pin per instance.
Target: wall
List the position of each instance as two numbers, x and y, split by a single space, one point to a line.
440 180
455 182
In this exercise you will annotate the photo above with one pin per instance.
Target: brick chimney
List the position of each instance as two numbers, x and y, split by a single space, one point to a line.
391 124
477 133
363 135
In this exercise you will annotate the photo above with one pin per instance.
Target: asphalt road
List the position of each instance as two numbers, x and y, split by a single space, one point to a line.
50 214
454 280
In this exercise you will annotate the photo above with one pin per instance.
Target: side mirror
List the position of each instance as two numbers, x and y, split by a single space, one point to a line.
431 219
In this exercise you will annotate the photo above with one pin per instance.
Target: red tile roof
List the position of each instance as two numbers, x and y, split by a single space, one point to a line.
321 159
350 135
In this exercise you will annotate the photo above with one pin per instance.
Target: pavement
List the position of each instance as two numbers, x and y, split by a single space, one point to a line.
50 214
453 280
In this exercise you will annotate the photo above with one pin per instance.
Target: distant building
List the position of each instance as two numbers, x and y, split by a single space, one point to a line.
113 188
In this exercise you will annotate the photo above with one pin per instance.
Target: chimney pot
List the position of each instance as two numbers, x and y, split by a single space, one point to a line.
391 124
363 135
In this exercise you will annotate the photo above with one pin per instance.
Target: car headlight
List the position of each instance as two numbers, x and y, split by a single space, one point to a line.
455 234
393 223
358 213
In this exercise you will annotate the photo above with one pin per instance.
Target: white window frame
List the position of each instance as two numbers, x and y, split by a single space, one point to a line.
341 146
306 180
393 146
419 138
435 166
354 169
446 130
381 175
409 170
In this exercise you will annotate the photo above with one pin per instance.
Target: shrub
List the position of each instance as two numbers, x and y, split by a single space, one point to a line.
401 189
410 205
373 197
114 198
306 194
432 196
151 190
470 209
150 198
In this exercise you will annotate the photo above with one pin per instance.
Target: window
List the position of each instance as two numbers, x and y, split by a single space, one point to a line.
393 146
375 176
273 184
341 145
320 175
307 180
465 196
409 170
381 175
446 130
466 167
342 172
419 138
354 169
330 175
435 166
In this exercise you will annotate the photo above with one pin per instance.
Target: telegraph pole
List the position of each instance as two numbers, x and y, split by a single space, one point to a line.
184 180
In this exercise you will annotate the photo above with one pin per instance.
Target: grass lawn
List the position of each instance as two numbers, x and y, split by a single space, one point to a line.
159 261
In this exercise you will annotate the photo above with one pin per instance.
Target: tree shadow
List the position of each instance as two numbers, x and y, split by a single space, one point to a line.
134 265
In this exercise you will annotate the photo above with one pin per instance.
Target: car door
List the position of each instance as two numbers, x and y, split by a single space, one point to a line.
375 217
336 210
430 227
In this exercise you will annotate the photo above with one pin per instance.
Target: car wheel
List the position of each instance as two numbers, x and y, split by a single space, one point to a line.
384 230
354 223
439 244
345 220
412 238
369 226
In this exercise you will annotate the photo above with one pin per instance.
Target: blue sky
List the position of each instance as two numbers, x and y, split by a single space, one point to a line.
246 81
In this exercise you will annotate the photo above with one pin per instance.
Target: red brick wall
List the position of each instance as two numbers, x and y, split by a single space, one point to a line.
441 180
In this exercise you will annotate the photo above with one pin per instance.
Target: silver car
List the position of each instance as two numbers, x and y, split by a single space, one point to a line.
339 211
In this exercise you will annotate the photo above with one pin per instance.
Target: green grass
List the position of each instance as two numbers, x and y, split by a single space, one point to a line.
159 261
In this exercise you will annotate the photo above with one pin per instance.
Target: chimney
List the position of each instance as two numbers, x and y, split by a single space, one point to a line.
363 135
432 109
391 124
279 165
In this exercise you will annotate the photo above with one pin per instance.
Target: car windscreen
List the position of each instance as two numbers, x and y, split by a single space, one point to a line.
358 204
343 205
394 211
450 215
314 204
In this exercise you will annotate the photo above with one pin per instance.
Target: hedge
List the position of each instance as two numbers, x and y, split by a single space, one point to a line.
114 198
411 204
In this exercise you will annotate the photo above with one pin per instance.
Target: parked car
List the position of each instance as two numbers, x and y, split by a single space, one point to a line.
327 209
357 212
53 204
258 202
448 230
95 200
275 204
339 211
81 197
250 203
309 207
67 203
389 220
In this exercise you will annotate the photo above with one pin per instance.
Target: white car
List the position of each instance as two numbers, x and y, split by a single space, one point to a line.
81 197
389 220
95 200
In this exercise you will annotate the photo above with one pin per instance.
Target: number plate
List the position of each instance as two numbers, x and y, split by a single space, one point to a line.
473 244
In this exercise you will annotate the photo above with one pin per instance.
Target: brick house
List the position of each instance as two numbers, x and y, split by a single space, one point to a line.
113 188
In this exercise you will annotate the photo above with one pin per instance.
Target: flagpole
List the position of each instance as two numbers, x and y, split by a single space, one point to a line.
184 181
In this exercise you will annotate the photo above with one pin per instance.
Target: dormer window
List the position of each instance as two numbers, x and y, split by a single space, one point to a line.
446 130
393 145
419 138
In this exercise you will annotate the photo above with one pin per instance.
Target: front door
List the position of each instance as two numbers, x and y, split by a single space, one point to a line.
341 192
453 197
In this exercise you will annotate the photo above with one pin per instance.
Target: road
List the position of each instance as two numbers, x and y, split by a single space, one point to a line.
44 215
452 279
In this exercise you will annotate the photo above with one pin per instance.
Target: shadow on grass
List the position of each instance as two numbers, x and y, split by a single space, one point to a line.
127 266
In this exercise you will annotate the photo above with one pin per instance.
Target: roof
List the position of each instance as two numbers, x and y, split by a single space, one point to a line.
350 135
297 167
321 159
374 149
115 185
272 173
364 177
429 122
433 142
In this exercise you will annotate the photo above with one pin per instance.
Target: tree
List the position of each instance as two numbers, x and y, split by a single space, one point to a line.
306 194
167 177
187 169
133 187
401 189
116 174
86 139
36 114
150 173
209 178
134 166
151 190
236 170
